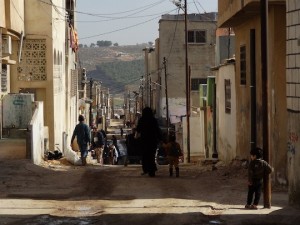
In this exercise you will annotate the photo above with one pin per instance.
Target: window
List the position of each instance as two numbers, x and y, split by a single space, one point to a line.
197 36
243 65
227 96
195 82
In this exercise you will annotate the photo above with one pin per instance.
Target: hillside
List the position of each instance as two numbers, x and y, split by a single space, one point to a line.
114 66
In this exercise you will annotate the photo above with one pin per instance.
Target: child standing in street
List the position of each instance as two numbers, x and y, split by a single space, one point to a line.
256 171
173 151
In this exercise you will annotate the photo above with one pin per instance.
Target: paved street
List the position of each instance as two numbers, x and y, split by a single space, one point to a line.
60 193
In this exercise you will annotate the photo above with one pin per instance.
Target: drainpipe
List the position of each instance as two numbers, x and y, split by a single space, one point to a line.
215 152
253 89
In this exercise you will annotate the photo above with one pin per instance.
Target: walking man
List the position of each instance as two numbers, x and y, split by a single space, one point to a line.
82 134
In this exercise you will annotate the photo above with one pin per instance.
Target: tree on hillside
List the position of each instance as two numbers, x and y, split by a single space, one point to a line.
80 45
116 44
92 45
123 72
104 43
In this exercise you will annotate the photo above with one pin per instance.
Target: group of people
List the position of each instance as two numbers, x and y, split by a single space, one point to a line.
95 140
149 135
147 132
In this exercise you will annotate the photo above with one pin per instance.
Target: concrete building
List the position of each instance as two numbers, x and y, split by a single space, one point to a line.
244 18
165 73
201 56
43 44
293 97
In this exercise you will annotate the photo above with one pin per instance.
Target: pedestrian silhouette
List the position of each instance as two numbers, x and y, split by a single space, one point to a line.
150 135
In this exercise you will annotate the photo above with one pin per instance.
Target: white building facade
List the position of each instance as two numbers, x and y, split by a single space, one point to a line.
43 60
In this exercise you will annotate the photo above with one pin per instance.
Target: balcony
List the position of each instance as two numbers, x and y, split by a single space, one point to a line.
235 12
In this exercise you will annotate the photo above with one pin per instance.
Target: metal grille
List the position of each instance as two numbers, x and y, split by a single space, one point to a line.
4 78
32 66
74 80
243 65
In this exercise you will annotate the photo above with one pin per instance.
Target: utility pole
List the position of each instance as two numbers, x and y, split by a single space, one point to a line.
124 108
136 104
264 74
150 92
187 85
142 90
167 99
91 97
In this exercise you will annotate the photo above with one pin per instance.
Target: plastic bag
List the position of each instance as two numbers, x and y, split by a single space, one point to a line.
72 157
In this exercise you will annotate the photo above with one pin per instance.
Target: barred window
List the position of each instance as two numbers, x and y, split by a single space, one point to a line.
243 66
197 36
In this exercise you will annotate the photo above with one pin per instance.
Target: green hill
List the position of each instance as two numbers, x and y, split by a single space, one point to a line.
114 66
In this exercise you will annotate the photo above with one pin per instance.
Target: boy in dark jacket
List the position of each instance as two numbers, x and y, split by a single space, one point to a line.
257 169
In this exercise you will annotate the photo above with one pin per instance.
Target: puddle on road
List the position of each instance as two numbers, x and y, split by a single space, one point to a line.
215 222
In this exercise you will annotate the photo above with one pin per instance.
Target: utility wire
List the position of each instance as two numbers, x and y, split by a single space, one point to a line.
143 8
197 7
125 17
17 11
118 13
174 34
201 6
124 28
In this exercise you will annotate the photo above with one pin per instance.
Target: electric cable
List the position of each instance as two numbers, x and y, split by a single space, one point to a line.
125 17
121 29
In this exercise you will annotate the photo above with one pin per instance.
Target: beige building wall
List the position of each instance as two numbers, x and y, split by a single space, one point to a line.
196 144
42 68
293 98
231 16
226 121
2 14
201 57
14 16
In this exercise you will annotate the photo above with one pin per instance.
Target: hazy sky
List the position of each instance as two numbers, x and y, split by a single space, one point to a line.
128 22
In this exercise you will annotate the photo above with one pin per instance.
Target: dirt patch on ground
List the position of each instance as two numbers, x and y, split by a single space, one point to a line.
59 193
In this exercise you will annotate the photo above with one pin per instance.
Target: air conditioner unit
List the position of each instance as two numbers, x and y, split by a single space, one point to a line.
6 44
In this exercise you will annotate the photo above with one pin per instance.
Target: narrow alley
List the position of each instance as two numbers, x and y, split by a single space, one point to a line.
60 193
